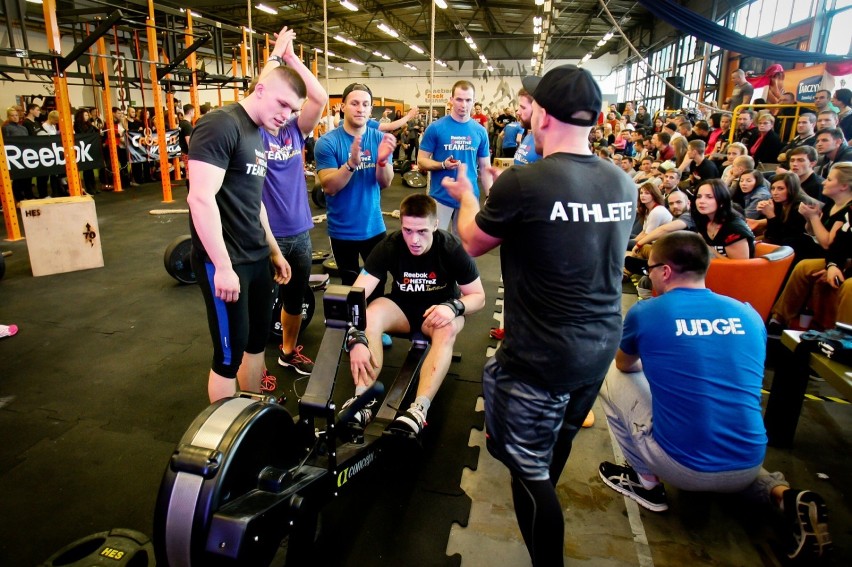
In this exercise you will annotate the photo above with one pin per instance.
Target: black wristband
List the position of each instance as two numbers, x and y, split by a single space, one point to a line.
356 337
349 167
456 305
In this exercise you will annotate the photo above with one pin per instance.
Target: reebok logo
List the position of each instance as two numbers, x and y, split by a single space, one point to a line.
29 158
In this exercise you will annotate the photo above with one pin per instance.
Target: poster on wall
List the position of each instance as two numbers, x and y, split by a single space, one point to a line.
144 147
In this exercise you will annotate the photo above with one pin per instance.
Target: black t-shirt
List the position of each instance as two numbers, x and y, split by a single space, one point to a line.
705 170
813 187
564 222
425 280
230 140
185 132
732 231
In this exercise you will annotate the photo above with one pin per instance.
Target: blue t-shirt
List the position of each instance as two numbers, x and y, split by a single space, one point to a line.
285 194
354 213
464 141
703 355
526 151
510 134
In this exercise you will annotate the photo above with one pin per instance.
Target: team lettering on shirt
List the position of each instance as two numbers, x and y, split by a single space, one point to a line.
257 168
459 143
281 153
420 281
366 160
595 212
703 327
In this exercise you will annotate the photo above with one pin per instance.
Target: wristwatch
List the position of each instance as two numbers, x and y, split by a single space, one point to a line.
277 58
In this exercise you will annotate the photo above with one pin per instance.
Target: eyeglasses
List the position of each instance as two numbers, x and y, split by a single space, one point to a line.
647 269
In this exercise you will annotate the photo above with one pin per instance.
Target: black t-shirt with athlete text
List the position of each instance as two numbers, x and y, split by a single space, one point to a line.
425 280
564 223
230 140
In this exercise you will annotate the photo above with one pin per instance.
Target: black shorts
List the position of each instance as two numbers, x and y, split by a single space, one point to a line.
241 326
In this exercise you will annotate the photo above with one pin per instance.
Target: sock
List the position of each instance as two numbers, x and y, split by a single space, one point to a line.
648 484
360 390
423 402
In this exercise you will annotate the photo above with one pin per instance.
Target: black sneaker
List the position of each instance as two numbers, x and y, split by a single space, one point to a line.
296 360
808 516
410 423
361 417
625 480
774 329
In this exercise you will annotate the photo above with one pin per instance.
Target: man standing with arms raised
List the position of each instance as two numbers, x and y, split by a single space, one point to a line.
563 224
449 142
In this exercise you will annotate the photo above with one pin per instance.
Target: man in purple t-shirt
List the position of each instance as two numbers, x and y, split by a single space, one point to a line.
285 197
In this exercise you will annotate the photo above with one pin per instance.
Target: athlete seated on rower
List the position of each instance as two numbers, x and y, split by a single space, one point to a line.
428 267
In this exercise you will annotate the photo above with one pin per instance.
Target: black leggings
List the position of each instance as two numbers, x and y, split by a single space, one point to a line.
540 520
346 253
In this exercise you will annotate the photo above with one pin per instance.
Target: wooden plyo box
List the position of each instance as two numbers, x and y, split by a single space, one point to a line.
62 235
503 163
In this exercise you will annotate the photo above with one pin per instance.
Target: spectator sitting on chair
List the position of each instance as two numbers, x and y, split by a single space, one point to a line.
783 224
672 415
732 174
645 173
678 203
842 99
661 142
827 119
651 209
698 165
747 132
752 188
802 162
833 149
427 265
805 136
767 145
825 277
722 228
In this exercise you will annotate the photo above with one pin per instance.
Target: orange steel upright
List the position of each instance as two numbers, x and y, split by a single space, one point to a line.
63 101
244 61
109 123
158 105
10 213
191 62
170 109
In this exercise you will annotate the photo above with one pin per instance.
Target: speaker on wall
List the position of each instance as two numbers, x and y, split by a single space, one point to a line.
673 99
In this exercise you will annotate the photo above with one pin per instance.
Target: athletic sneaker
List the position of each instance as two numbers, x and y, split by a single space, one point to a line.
8 331
296 360
807 513
268 382
411 422
361 417
625 480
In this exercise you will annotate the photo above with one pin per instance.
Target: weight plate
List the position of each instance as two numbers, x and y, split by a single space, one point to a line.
318 196
414 179
319 256
330 267
176 260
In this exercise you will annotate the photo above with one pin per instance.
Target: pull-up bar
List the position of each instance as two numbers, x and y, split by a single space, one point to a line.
182 56
103 29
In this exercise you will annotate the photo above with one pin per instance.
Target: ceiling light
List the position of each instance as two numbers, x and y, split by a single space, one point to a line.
539 2
355 61
608 36
490 68
441 63
345 40
267 9
473 46
537 20
601 43
416 48
532 61
586 57
34 1
469 40
349 5
441 4
409 66
388 30
482 58
385 57
378 54
535 47
536 29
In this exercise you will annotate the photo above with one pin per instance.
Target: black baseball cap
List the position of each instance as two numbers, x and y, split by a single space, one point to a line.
357 87
568 93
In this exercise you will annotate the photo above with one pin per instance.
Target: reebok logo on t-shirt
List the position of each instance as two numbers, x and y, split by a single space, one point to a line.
257 168
459 143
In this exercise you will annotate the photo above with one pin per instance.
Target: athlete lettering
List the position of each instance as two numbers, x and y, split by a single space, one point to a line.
582 212
703 327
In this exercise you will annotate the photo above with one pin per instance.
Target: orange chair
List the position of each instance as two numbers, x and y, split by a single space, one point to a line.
756 281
